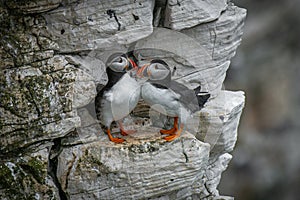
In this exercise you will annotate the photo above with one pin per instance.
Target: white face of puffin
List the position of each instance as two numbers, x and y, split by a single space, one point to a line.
157 71
119 64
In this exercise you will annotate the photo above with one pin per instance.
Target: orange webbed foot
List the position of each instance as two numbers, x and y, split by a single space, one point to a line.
172 130
174 135
115 140
168 132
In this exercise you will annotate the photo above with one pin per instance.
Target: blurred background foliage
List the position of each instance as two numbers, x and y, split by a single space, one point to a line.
266 161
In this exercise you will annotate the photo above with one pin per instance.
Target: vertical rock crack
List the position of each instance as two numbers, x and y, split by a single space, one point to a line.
112 13
52 169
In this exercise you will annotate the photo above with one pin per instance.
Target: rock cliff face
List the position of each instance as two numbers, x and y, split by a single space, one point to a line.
51 66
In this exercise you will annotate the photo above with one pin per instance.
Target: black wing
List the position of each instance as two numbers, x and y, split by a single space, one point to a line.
187 96
202 97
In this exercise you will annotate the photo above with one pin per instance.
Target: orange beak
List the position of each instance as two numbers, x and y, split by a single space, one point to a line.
140 71
134 65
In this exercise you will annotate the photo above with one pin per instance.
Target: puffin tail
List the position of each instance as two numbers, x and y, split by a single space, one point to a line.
202 97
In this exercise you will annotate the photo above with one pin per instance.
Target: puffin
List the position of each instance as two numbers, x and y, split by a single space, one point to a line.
119 96
174 99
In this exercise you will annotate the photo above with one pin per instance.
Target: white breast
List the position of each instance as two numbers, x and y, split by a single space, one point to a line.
162 100
121 99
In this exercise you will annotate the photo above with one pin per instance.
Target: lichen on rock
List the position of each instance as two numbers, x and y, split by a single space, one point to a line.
51 68
133 170
26 177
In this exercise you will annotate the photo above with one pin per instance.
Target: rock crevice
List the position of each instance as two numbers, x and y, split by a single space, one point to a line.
52 167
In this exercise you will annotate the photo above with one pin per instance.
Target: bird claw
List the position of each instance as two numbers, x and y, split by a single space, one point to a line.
172 130
174 135
117 140
171 137
168 132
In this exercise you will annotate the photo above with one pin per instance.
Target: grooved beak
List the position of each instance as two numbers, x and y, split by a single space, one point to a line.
133 64
140 71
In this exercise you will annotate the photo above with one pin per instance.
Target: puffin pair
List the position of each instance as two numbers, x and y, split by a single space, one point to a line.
122 93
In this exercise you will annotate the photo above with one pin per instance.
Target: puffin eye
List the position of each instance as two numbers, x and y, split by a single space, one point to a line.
155 67
120 61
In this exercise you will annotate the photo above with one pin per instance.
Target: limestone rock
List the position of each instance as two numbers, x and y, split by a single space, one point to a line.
26 177
140 169
181 14
84 89
210 79
221 37
214 171
33 6
93 24
219 121
89 129
37 103
92 65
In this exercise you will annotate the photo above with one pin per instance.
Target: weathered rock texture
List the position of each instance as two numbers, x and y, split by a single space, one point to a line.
134 171
219 121
51 66
182 14
93 24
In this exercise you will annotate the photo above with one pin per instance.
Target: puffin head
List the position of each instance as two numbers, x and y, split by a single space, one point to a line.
156 70
119 62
